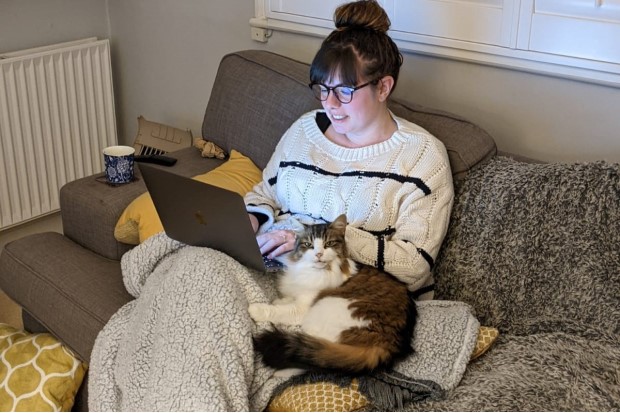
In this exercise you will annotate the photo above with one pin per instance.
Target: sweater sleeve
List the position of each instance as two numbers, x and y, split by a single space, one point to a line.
409 251
262 198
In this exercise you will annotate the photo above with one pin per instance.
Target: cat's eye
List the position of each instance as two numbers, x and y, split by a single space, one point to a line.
306 244
330 244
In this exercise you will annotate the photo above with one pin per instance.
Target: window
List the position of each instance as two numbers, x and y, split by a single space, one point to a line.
571 38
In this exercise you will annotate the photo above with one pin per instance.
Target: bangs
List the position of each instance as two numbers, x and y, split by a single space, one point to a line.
331 62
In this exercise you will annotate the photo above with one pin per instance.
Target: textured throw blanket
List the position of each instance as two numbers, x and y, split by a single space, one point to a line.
185 342
535 250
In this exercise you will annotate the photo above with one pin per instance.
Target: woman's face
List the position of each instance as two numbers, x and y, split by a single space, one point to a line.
355 119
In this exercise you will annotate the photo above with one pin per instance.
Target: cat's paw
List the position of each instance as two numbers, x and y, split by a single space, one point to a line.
286 373
260 311
284 300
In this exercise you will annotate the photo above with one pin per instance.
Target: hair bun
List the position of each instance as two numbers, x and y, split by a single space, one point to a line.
363 14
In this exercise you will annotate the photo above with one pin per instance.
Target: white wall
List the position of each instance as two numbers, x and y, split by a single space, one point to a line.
166 52
31 23
538 116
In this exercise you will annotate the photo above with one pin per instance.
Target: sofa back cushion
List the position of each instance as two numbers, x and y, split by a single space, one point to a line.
257 95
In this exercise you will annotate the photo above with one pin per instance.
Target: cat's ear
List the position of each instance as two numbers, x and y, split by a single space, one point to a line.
340 223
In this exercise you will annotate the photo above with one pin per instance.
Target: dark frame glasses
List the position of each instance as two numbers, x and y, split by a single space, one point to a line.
343 93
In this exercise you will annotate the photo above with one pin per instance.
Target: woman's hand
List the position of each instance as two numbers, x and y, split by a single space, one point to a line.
276 242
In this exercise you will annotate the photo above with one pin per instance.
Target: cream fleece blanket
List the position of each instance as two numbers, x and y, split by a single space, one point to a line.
185 342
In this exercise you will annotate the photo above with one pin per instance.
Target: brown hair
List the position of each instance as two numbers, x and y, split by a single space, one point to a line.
360 48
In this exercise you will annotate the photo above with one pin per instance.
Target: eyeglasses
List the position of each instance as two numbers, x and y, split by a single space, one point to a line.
344 94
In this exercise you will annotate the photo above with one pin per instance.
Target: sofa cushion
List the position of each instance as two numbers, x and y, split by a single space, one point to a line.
251 113
140 220
536 247
467 144
70 290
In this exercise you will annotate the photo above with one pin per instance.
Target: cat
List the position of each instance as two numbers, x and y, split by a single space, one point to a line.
354 318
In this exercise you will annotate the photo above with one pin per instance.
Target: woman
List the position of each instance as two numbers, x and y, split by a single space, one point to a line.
185 342
390 176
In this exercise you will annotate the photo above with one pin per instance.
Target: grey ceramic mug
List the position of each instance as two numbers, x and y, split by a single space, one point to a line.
119 164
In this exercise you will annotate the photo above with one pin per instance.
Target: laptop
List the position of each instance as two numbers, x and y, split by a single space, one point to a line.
204 215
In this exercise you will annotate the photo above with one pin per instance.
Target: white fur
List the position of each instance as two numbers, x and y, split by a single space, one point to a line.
286 373
315 270
328 317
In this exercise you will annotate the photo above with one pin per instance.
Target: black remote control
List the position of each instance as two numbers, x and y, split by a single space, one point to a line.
156 159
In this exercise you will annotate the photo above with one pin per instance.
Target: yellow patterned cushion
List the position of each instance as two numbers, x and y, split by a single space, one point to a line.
486 338
319 397
329 397
37 372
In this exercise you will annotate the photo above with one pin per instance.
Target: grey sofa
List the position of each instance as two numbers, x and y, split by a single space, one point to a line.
532 247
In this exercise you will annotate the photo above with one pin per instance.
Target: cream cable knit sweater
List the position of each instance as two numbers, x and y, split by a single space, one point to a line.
397 195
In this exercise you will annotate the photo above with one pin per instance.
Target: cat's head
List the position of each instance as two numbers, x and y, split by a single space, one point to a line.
323 245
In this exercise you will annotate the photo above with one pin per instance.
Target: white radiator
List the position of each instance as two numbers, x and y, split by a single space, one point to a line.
56 115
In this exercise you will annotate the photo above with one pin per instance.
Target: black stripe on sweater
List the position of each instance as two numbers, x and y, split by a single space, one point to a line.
380 235
381 253
362 174
421 291
427 257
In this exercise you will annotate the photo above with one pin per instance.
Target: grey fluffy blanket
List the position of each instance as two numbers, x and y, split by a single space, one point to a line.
535 249
185 342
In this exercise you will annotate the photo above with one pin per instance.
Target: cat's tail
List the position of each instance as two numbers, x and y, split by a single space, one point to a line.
281 350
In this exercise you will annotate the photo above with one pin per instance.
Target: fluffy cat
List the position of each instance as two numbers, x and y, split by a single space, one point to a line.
354 318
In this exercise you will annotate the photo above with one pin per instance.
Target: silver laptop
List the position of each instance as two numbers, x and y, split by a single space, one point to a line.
203 215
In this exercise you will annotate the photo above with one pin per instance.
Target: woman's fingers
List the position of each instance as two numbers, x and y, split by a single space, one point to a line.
276 242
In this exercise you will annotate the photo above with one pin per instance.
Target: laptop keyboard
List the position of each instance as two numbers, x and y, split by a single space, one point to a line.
272 265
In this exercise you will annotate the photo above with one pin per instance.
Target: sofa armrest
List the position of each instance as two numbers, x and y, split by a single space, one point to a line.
89 209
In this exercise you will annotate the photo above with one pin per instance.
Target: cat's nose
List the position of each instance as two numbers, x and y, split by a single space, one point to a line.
319 255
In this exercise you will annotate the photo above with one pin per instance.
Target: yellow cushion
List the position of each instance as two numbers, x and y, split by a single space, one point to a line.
140 221
319 397
486 338
329 397
37 372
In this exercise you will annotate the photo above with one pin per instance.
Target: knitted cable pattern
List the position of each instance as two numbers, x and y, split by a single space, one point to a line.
397 194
